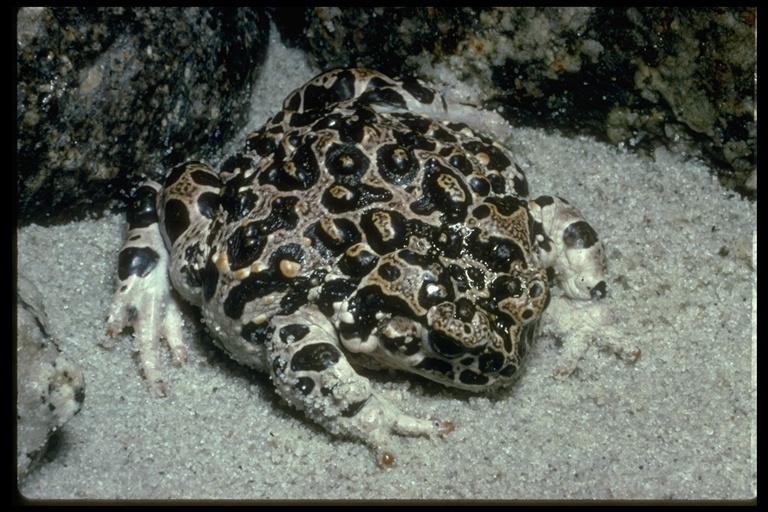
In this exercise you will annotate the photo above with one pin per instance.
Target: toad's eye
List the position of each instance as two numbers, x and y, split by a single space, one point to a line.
536 289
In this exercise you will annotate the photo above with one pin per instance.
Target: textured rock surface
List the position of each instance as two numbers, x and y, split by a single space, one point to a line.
684 78
106 94
50 386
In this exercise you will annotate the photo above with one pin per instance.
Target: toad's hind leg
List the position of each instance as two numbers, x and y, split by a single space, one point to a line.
142 297
311 372
187 206
167 226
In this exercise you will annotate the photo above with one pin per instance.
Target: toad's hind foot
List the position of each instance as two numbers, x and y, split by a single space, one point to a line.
142 298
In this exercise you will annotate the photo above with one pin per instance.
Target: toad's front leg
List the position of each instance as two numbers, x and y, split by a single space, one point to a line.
311 372
567 243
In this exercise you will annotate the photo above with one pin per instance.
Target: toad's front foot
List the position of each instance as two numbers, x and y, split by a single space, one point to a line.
388 419
311 372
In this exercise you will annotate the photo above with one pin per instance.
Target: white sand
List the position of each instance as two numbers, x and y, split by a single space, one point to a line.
678 424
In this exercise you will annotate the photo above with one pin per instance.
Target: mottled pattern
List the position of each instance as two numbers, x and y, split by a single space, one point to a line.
359 220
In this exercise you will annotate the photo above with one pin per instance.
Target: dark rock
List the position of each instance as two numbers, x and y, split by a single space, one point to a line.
640 77
107 94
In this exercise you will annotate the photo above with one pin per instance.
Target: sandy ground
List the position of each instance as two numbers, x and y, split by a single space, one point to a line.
678 424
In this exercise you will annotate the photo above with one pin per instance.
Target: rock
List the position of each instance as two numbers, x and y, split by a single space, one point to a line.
107 94
50 386
638 77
